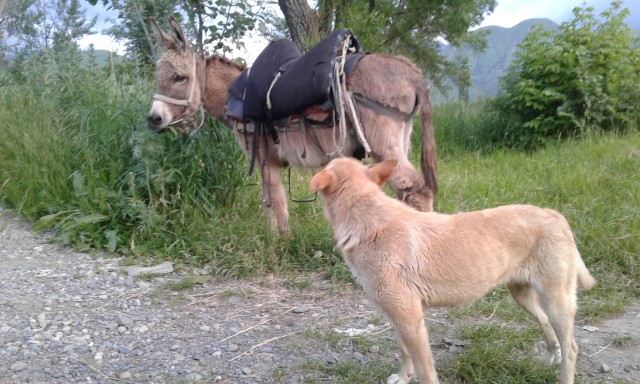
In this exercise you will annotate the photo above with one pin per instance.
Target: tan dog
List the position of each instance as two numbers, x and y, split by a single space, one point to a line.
408 260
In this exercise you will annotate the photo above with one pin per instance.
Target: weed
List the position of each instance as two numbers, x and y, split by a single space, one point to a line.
181 285
624 341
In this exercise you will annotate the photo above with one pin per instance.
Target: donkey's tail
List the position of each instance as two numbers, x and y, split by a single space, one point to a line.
585 280
428 160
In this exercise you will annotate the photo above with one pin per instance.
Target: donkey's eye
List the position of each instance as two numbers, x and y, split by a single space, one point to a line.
179 78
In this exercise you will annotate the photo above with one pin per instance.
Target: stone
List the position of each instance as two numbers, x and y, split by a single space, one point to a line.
160 269
19 366
301 309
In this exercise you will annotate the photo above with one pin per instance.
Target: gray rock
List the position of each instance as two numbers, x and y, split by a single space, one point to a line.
301 309
160 269
19 366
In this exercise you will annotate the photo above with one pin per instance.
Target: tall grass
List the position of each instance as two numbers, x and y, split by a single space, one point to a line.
77 158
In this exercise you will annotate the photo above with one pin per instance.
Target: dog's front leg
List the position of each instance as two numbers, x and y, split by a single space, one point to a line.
407 317
406 372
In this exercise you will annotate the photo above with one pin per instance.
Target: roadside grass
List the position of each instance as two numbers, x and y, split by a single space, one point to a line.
593 182
499 354
92 173
77 159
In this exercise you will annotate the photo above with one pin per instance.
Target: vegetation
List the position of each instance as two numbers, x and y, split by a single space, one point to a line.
78 160
578 77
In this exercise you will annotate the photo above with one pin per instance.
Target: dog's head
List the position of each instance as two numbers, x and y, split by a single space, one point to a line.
344 170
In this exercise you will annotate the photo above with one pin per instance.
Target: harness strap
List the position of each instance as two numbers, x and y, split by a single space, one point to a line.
257 127
384 109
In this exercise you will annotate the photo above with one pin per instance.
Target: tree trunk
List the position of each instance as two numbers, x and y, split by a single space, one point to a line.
303 22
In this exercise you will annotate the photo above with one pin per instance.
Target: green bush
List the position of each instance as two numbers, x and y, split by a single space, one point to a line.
77 157
582 76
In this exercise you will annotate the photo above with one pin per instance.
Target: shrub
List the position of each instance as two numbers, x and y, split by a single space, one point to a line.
582 76
78 157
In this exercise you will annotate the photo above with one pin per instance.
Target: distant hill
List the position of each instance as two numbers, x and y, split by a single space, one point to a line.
102 57
488 66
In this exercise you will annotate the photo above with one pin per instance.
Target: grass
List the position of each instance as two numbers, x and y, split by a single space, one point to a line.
77 159
499 355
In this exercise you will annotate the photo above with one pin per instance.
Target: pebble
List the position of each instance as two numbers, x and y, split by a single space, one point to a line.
17 367
301 309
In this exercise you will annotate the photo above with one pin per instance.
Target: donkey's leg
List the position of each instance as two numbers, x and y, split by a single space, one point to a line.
273 195
390 139
274 198
528 299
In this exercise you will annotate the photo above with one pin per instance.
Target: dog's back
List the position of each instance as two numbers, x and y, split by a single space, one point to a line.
449 258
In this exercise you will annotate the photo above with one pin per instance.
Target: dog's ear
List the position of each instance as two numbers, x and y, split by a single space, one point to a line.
380 172
322 180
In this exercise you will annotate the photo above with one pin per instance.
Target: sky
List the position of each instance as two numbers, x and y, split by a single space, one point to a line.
506 14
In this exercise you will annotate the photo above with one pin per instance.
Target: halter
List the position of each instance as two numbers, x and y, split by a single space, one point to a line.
185 102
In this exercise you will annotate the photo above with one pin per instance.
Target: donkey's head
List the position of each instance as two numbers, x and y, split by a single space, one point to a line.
179 81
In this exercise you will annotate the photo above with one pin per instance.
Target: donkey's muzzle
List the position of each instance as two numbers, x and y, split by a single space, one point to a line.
154 121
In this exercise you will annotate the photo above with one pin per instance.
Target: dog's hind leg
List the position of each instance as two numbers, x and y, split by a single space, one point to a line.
528 299
559 300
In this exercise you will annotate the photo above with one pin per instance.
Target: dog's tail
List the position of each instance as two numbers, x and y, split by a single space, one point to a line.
585 280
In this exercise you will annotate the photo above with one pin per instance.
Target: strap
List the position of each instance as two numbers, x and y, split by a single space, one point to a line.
386 110
257 127
166 99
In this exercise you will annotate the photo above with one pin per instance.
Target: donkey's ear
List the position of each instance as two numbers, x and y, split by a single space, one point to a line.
322 180
177 30
162 38
379 173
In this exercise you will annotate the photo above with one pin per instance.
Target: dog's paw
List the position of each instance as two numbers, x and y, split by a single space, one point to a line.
397 379
554 356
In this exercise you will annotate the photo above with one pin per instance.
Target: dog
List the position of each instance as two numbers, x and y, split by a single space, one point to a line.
407 261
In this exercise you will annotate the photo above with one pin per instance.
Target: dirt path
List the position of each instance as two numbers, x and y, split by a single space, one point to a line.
68 317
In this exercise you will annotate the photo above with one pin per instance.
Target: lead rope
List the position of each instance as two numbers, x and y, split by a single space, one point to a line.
348 100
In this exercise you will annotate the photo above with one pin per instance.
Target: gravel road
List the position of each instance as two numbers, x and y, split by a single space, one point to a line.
69 317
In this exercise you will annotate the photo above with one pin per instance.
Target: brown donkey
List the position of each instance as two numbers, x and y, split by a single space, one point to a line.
393 86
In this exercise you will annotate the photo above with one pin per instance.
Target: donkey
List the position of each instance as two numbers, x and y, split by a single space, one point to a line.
393 90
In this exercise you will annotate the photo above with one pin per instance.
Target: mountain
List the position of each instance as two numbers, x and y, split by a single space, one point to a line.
488 66
102 57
